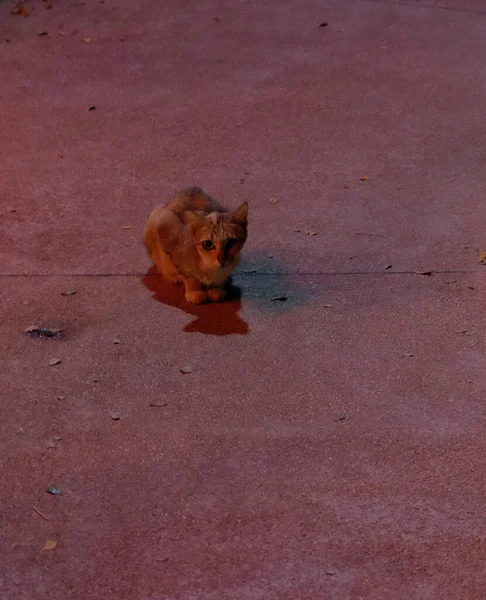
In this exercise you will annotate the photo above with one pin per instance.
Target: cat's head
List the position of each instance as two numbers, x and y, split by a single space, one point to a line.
219 237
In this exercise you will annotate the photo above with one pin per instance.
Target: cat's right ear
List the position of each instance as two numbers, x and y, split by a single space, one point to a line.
191 219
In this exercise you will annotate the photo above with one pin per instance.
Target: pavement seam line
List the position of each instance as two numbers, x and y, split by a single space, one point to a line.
433 6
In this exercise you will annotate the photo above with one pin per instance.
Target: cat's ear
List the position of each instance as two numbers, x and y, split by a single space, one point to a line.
191 219
240 215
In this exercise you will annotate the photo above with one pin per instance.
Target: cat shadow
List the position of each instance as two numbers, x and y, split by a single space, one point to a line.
272 286
211 319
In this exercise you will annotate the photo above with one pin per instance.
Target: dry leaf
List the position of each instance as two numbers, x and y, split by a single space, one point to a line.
482 257
273 200
86 40
60 397
62 33
407 355
327 305
126 227
54 361
115 416
52 489
388 267
68 293
340 417
58 438
187 369
49 545
364 178
116 342
50 444
18 9
310 232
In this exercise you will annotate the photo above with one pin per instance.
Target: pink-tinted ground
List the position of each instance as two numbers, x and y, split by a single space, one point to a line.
328 446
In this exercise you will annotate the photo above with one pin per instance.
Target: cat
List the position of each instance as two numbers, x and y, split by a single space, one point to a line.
195 241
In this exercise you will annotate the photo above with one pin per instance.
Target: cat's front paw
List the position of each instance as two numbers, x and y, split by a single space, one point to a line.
197 297
216 294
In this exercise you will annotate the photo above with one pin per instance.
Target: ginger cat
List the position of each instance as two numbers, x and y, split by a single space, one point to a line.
196 241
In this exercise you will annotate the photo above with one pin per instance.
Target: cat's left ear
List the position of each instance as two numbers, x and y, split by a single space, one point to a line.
240 215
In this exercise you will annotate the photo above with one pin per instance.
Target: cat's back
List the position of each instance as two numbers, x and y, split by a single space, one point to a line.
194 199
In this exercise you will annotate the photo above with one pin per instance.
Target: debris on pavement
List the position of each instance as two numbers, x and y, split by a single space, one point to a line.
68 293
115 416
364 178
273 200
52 489
19 9
281 298
54 361
158 404
388 267
92 108
40 513
116 341
49 545
407 354
42 331
482 257
340 417
323 24
187 369
327 305
61 398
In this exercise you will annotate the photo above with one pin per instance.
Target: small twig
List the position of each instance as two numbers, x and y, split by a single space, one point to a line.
40 513
370 234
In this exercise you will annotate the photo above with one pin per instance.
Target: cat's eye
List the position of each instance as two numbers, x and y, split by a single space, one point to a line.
231 242
208 245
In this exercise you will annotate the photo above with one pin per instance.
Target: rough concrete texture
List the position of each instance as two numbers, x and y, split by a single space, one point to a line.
330 446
